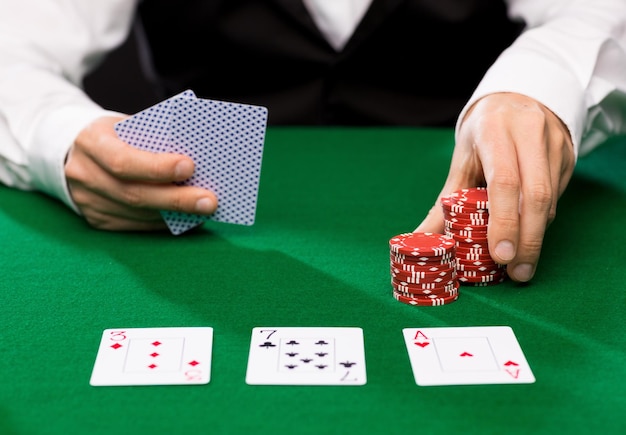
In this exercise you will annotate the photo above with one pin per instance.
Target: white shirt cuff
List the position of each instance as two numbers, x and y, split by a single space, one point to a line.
54 137
551 84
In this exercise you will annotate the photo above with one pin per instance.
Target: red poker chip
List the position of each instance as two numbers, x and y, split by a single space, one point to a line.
465 234
432 266
428 268
468 246
457 226
418 279
475 274
417 289
413 290
466 218
457 236
484 284
411 287
425 266
466 215
460 220
473 257
475 196
453 204
471 248
453 209
415 259
430 293
475 263
478 273
484 268
421 244
469 240
425 301
499 277
422 274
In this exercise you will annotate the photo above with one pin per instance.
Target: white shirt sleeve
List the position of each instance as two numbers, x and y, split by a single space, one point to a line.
46 48
572 58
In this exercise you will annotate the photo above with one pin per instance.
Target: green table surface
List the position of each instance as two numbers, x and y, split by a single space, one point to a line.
317 255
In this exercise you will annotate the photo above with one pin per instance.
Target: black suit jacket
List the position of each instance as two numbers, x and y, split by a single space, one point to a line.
409 62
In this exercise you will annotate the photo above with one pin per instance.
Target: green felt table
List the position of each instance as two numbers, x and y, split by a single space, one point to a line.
317 255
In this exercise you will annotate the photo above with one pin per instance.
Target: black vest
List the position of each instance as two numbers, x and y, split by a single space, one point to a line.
409 62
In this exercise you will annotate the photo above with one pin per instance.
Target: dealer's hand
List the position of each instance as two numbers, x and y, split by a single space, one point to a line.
120 188
523 153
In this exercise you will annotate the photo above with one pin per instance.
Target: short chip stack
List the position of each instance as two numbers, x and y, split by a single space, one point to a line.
423 269
466 216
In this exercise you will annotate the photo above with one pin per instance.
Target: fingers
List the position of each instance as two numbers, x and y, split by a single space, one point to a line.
118 187
536 199
523 153
502 177
465 170
99 143
111 216
433 222
141 197
519 180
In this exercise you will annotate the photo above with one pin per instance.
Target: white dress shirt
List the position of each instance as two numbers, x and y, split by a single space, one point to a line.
572 58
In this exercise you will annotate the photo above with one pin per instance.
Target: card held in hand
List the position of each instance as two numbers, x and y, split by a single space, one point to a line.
306 356
224 139
153 356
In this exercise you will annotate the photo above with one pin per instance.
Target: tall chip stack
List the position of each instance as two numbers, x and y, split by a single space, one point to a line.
466 216
428 269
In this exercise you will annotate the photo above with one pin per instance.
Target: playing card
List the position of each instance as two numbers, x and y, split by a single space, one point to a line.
149 130
306 356
153 356
225 140
466 355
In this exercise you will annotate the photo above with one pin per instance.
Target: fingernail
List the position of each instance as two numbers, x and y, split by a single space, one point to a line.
183 169
523 272
505 250
205 206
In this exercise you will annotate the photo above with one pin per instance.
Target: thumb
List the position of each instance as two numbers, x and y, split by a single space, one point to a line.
433 222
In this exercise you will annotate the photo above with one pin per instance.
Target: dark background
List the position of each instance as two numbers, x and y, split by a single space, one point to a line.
119 83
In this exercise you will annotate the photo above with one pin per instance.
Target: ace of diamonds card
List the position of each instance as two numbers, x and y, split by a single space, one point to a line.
466 355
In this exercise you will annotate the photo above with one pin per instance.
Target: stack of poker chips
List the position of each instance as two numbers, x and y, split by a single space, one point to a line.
423 269
466 216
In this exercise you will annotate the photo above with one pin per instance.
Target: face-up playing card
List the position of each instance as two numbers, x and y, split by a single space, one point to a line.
153 356
225 140
306 356
466 355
